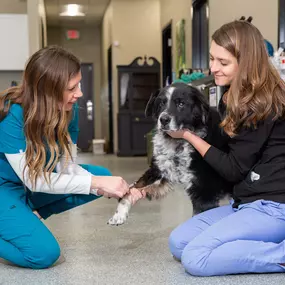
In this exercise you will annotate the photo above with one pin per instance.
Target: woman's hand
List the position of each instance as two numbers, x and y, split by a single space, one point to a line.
110 186
135 195
180 134
201 146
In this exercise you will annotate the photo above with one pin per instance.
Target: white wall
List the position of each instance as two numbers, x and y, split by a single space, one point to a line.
14 47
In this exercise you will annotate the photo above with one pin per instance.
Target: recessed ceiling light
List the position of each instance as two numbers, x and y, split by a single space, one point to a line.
72 10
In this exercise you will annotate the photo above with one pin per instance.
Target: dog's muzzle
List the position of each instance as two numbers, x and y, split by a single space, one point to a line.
164 120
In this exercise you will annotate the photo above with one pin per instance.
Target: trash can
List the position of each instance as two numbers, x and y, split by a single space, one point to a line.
98 146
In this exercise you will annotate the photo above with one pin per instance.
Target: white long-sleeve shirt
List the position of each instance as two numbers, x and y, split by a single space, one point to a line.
60 183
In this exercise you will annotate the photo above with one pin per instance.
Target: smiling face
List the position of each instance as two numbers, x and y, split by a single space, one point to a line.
223 65
73 92
178 106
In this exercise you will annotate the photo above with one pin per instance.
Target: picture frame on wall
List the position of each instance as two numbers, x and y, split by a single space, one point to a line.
180 46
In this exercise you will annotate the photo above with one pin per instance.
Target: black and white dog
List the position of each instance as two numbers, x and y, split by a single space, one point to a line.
175 162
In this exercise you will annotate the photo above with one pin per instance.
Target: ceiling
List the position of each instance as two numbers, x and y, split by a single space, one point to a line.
94 11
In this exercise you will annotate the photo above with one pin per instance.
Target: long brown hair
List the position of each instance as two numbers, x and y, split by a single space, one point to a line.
257 90
44 81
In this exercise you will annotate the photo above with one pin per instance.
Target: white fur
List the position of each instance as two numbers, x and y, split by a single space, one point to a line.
122 213
169 94
165 151
172 124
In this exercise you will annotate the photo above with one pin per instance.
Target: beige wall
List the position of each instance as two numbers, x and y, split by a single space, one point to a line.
264 13
136 26
172 12
13 7
36 18
88 50
43 21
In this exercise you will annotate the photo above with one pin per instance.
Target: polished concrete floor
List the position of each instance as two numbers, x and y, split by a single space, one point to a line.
135 253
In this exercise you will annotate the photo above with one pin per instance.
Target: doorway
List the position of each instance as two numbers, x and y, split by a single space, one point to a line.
281 24
200 32
110 99
167 55
86 109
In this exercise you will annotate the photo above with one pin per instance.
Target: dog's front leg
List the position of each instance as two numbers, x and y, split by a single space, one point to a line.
155 190
122 211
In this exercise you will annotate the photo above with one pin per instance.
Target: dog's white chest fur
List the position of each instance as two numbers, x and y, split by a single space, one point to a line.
173 159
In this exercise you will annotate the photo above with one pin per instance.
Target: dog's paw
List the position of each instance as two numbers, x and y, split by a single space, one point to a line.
122 213
118 219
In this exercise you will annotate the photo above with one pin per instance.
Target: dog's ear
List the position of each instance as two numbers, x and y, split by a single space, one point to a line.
203 107
205 113
149 109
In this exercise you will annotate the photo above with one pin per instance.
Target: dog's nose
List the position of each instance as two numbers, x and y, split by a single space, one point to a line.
164 120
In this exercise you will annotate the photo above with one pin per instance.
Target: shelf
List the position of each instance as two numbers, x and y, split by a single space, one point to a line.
145 86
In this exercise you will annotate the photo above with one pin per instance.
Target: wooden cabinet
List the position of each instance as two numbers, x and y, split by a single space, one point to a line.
136 83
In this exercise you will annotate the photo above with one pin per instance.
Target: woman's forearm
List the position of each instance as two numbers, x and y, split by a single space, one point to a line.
200 145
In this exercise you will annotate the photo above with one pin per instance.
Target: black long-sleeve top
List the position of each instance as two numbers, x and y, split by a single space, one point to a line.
255 162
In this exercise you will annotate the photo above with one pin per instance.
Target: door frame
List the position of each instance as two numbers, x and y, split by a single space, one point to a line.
110 99
168 26
200 33
93 104
281 23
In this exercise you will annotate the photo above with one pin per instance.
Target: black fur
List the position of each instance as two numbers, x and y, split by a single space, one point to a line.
175 107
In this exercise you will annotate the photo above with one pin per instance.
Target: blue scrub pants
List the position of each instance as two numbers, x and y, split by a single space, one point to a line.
224 240
24 239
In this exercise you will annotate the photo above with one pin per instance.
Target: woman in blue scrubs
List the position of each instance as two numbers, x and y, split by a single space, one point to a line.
38 173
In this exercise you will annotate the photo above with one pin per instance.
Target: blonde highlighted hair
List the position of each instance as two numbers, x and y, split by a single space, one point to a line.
44 81
257 90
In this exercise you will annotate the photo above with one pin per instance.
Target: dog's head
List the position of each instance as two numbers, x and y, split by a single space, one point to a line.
178 106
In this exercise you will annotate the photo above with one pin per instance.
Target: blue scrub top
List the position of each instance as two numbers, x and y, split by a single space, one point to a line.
13 140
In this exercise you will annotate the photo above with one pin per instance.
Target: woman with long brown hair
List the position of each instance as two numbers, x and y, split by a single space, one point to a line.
38 172
247 235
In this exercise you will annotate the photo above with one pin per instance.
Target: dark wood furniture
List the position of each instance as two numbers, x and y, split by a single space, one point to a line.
136 83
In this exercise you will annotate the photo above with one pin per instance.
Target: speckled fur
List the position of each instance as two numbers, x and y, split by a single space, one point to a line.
175 162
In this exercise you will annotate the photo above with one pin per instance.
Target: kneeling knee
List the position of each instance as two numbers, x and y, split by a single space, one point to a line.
195 262
44 256
176 244
192 267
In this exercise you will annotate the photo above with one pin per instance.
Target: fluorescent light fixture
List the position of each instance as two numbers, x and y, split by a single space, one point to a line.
72 10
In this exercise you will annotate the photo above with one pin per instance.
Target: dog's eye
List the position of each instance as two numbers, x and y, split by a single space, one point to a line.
180 104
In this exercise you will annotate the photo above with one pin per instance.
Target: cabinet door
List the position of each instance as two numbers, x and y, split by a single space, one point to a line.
143 85
140 127
124 134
